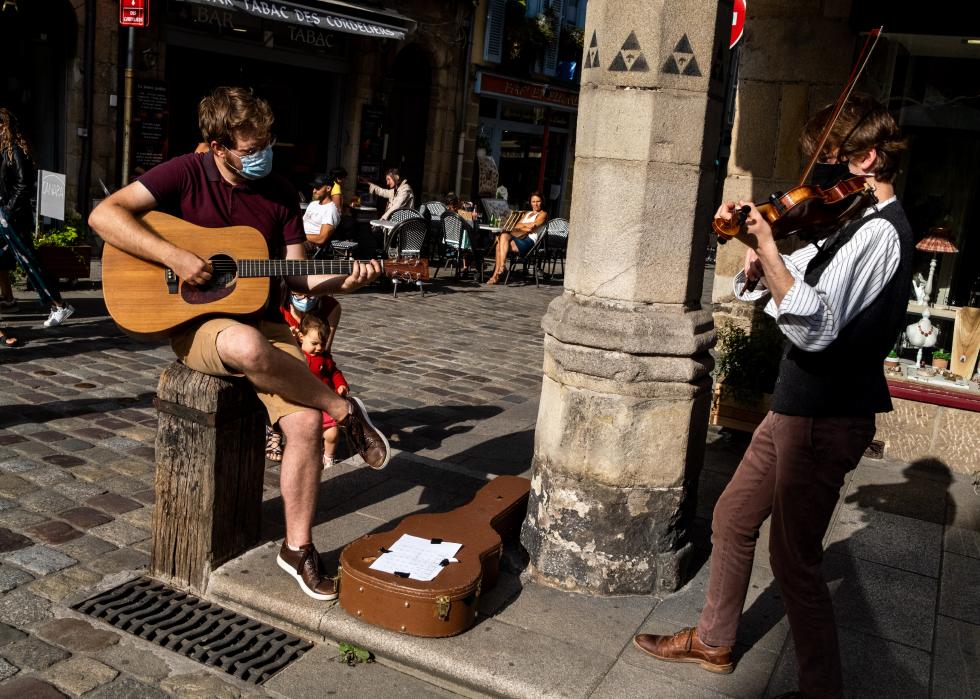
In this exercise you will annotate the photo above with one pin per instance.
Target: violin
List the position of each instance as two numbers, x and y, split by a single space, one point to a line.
809 208
805 207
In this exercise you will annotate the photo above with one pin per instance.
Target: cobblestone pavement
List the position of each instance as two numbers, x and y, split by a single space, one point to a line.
77 428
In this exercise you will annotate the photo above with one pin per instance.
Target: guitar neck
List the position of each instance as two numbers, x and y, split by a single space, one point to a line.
294 268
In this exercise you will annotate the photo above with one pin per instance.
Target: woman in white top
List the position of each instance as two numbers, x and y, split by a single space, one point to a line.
521 238
322 216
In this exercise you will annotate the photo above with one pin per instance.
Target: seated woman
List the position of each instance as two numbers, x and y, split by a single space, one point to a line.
520 239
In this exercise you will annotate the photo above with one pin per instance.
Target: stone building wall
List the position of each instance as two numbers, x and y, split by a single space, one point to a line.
104 116
795 58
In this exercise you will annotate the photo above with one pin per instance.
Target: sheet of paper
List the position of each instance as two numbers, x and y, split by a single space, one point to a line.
416 557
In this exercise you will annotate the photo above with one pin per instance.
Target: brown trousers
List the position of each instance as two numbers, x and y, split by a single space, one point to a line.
793 469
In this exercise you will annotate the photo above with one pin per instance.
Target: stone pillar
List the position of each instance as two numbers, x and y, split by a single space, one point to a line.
626 390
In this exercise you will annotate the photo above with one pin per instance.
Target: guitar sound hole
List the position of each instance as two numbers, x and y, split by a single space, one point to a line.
224 269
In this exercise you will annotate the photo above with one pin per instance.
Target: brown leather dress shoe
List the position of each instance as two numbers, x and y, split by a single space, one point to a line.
364 437
685 647
304 566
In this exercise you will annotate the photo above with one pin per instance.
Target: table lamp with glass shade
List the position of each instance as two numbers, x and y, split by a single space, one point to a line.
922 333
938 241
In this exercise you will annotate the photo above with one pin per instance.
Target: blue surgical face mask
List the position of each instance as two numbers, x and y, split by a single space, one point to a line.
303 304
257 165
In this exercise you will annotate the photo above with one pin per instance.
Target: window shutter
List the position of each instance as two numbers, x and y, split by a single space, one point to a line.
493 42
551 50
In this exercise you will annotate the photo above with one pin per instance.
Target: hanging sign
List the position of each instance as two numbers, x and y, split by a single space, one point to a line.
134 13
738 22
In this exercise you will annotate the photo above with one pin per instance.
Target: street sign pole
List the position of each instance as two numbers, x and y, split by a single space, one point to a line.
127 103
132 14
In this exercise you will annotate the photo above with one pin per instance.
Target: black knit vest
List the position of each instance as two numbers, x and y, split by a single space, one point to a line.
846 378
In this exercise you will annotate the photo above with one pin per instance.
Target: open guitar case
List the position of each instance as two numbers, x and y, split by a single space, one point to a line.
446 605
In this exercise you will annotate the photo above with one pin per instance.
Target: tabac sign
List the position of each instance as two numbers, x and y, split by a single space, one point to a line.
308 17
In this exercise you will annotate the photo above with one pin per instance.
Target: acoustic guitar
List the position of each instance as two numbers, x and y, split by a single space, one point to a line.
149 301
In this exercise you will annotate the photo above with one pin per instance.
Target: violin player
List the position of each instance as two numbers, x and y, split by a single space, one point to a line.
839 301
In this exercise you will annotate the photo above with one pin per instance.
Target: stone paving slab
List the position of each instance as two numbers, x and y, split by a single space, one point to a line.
322 674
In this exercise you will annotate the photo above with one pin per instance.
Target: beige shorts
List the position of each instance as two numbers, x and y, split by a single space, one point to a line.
197 347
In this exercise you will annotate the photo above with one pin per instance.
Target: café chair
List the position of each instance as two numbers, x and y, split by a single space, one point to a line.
408 239
456 242
530 259
555 245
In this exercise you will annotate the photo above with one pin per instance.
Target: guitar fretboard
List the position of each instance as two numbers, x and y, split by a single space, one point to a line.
293 268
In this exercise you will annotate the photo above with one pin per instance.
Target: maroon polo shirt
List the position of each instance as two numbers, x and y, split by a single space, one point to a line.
191 187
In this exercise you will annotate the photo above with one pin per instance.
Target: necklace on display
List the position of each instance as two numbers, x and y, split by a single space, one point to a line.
925 333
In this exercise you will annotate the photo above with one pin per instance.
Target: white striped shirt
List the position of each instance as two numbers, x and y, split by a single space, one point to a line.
811 317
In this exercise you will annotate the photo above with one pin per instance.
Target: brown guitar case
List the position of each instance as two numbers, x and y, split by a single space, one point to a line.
446 605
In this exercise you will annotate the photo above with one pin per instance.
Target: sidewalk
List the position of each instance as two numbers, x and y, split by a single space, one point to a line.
454 378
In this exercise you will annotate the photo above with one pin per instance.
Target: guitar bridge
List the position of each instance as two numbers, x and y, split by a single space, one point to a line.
171 279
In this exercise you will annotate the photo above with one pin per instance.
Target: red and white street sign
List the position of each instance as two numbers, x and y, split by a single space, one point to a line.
134 13
738 22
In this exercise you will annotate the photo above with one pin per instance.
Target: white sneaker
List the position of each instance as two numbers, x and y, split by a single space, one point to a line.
59 316
329 461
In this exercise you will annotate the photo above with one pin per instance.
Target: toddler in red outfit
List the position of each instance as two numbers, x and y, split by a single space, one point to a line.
312 334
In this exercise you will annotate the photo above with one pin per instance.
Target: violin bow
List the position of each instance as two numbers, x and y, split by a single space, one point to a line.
862 61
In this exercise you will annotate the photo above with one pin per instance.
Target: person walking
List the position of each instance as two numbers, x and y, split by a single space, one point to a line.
17 177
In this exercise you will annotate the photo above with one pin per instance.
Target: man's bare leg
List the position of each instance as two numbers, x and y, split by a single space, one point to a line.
245 349
299 479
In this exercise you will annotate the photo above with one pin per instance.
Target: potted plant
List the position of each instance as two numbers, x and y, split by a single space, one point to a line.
745 373
62 251
891 361
940 359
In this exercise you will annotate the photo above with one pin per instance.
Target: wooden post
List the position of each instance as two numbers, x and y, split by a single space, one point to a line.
210 458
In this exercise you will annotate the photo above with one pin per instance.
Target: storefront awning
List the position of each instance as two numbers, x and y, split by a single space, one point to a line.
328 15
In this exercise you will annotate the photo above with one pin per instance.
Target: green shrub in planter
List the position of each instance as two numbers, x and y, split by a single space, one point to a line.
749 363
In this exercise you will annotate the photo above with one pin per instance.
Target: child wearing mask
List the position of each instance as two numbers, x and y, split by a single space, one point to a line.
325 310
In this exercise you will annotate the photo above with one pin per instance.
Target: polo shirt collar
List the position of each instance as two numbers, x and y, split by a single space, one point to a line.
214 174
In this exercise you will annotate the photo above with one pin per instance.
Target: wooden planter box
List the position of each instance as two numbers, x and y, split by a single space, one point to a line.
736 412
66 262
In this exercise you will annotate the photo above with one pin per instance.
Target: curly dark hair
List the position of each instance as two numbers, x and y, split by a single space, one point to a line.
11 136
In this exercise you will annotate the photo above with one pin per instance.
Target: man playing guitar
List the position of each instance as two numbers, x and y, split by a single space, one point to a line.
231 184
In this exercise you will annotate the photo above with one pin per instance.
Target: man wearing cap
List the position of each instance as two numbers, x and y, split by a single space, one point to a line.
322 216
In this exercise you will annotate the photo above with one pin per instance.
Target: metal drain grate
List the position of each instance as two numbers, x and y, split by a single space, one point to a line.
205 632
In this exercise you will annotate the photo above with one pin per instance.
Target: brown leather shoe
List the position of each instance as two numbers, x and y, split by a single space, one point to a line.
685 647
304 566
364 437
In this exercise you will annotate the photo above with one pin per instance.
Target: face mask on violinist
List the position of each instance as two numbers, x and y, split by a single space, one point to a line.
826 175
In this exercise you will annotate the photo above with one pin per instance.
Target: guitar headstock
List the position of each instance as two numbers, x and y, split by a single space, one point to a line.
408 268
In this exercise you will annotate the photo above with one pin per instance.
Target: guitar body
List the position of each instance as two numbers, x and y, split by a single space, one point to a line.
446 605
144 304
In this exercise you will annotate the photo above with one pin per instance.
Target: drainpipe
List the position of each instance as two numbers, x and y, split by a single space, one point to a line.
461 128
88 89
127 103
